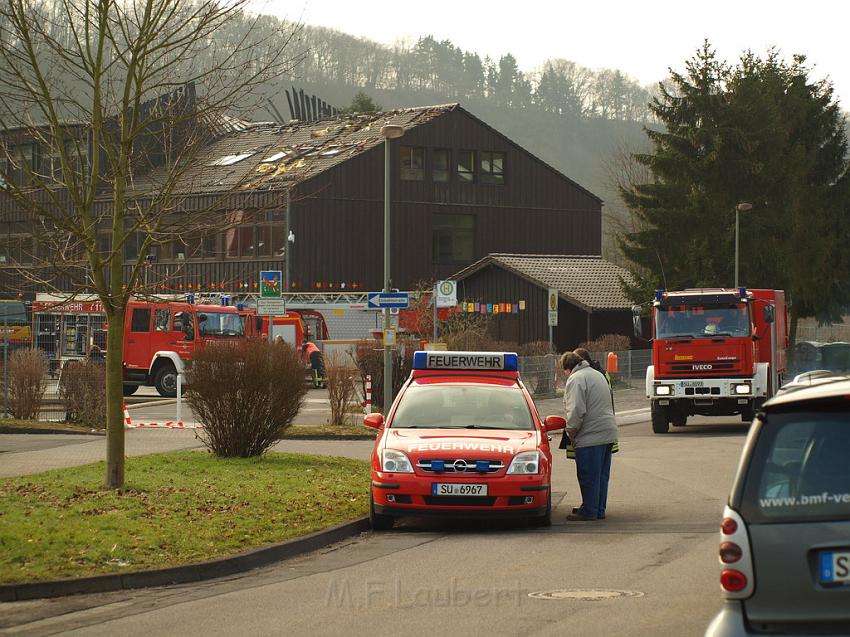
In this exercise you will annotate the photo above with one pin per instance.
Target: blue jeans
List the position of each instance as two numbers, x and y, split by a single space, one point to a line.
593 468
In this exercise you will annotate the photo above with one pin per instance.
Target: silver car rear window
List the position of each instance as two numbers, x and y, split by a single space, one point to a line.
800 468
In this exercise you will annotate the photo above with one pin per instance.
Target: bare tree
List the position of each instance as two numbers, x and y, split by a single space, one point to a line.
120 97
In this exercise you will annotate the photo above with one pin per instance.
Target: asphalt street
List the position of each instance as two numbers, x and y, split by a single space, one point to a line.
649 568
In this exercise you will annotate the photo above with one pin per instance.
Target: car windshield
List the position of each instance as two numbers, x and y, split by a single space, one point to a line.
220 324
800 469
702 321
463 407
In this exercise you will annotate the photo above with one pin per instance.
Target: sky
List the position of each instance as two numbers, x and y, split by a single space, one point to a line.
642 39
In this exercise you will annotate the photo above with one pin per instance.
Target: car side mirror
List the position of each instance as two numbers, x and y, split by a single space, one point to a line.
551 423
375 421
636 324
769 313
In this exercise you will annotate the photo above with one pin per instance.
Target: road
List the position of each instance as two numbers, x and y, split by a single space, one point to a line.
658 546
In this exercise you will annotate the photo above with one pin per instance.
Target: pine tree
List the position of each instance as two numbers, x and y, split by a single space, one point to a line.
760 133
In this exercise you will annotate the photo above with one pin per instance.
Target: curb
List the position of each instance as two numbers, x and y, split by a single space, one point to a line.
320 437
196 572
47 430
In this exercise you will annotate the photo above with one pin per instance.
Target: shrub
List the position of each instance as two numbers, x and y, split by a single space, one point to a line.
246 396
27 383
536 348
608 343
342 387
82 389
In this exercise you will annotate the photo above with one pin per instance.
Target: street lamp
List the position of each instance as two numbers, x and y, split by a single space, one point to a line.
390 131
741 207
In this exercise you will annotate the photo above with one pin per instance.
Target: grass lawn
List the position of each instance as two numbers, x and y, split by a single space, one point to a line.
10 425
176 508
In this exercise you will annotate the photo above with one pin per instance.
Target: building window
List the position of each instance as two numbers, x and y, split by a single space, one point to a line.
466 166
270 241
17 164
412 163
442 164
492 168
453 238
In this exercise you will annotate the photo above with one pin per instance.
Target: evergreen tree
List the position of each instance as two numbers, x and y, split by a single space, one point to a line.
760 133
363 103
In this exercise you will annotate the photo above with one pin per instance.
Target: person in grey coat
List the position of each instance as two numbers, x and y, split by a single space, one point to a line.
593 431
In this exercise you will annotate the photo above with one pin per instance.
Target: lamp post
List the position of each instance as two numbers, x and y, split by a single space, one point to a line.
741 207
390 131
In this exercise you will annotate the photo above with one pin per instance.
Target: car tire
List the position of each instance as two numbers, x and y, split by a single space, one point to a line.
165 381
545 519
660 423
129 390
379 522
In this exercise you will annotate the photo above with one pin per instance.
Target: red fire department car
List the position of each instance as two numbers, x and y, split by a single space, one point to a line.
462 438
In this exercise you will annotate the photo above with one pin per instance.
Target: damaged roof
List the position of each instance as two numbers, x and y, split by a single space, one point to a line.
267 155
587 281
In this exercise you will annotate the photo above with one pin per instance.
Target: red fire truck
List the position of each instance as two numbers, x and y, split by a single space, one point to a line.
159 337
715 352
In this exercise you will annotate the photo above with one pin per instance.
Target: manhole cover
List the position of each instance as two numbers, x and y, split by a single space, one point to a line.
584 594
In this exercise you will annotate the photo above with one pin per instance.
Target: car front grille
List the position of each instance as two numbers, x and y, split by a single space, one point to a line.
467 466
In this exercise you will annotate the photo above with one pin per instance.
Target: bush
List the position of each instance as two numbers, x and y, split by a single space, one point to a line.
608 343
27 383
536 348
82 389
246 396
342 387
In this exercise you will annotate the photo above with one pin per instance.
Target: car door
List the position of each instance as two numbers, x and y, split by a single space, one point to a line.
796 503
137 336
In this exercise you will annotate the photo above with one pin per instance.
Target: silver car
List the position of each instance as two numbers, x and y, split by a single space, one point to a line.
785 534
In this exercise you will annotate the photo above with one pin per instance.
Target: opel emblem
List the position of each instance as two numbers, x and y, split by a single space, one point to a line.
459 465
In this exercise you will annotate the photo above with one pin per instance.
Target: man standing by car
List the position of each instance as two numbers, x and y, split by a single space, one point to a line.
593 430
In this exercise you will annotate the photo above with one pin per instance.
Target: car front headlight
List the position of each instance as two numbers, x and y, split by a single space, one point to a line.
525 463
395 461
662 390
743 388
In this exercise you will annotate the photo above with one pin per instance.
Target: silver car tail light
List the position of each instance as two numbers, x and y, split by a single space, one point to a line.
737 579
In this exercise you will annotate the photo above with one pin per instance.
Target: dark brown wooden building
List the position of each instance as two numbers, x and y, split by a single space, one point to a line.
459 190
591 301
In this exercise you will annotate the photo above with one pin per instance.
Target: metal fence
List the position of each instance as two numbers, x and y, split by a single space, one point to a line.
543 376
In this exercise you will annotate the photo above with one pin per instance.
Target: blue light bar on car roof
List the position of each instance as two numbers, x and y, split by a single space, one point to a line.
486 361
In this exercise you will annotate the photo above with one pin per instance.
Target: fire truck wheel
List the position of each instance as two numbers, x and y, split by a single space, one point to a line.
165 381
129 390
379 522
660 424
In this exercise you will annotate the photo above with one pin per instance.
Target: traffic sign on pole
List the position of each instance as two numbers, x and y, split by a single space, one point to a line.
552 306
446 293
383 300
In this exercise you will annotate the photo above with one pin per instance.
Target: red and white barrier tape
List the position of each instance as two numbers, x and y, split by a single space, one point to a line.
129 424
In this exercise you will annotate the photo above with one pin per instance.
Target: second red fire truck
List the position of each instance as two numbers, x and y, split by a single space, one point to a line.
715 352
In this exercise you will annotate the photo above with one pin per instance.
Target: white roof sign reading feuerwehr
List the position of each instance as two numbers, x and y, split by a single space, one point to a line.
448 360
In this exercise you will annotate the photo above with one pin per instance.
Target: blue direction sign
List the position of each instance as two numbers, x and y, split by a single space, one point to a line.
381 300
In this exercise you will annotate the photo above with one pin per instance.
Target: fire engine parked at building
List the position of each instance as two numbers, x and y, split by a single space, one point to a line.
715 352
160 337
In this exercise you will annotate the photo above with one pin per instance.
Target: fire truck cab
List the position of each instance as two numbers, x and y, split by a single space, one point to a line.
715 352
159 337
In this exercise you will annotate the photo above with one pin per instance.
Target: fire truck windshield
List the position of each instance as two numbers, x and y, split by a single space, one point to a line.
702 321
220 324
13 312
